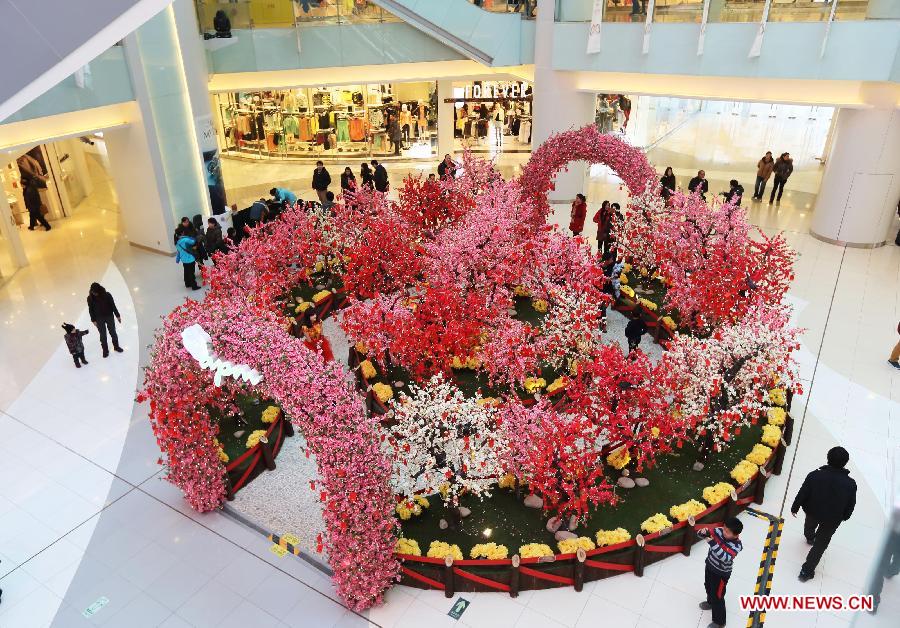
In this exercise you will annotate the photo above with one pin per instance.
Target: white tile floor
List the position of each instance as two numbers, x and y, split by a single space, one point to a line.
85 514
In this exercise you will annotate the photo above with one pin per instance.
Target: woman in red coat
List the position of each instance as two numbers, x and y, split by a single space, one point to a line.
603 218
315 341
579 213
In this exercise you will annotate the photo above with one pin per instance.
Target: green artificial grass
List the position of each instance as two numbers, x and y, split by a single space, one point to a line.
249 419
672 482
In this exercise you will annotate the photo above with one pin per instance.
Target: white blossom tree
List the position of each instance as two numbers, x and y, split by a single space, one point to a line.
442 442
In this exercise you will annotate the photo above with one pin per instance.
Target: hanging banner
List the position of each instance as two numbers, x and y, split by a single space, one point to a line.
756 48
645 48
593 43
212 166
828 29
703 22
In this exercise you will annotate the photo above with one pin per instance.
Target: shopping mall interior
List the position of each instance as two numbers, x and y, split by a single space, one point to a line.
125 505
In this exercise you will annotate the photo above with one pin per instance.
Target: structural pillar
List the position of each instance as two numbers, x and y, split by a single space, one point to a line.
445 121
857 201
558 105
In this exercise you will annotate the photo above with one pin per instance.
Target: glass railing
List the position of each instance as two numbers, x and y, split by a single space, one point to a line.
727 10
218 17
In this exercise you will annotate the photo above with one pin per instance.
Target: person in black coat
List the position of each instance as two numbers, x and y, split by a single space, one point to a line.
827 497
380 177
366 176
634 330
699 184
222 24
321 180
447 168
734 193
102 308
668 183
348 181
32 194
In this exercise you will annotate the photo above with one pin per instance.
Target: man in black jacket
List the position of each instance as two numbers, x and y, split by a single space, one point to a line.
380 177
699 184
32 196
102 308
321 180
447 168
827 496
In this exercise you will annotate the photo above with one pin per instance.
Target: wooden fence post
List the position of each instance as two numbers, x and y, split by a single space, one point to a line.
514 576
790 398
639 555
288 426
267 456
778 462
689 536
229 489
578 576
759 491
731 509
448 577
788 433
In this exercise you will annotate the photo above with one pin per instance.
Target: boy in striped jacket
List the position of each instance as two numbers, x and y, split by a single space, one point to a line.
724 545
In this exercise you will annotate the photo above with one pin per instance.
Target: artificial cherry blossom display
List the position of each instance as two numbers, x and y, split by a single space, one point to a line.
433 285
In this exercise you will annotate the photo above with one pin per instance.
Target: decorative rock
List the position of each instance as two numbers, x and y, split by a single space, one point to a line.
533 501
553 524
464 512
698 466
511 311
320 286
442 524
398 384
626 473
573 522
239 433
562 535
625 482
642 482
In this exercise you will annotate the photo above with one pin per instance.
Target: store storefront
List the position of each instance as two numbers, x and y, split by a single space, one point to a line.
492 116
311 123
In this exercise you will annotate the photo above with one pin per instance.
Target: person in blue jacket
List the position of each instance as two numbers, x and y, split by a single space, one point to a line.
185 257
281 195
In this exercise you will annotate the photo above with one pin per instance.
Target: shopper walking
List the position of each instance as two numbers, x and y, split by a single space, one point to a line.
348 180
104 314
699 184
894 360
321 180
185 256
395 134
668 183
447 168
579 213
75 344
380 177
366 176
34 205
724 545
764 168
783 168
827 497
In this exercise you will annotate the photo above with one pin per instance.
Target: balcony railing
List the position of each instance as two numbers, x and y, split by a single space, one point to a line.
243 14
719 10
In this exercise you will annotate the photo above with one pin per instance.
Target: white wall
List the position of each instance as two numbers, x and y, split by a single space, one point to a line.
146 222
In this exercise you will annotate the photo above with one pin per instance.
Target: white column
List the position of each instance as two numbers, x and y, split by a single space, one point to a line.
445 118
11 233
557 105
75 148
857 201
